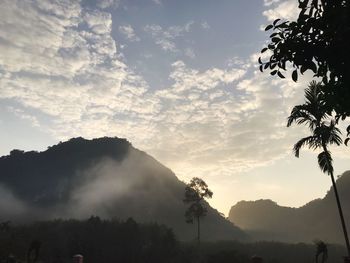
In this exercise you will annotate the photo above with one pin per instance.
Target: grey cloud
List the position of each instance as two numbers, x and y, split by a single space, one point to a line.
165 38
104 4
129 33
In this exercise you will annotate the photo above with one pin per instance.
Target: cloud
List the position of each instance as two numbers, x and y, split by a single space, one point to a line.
129 33
165 38
205 25
60 59
286 9
158 2
104 4
189 52
205 120
98 22
270 2
72 74
24 116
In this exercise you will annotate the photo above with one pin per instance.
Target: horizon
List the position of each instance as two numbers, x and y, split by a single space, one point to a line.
179 81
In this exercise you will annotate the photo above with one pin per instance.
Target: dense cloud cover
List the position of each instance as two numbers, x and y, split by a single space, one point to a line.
183 86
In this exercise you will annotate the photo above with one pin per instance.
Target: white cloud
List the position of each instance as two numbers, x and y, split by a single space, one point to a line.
24 116
104 4
165 38
99 22
205 25
129 33
270 2
286 9
72 75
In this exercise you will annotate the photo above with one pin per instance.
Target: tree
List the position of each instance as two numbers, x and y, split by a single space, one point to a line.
318 41
321 250
324 132
195 193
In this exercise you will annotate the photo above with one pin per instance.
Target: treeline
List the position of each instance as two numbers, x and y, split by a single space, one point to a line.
128 241
97 240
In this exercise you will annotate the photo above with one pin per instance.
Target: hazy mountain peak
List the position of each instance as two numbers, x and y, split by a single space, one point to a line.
318 219
106 177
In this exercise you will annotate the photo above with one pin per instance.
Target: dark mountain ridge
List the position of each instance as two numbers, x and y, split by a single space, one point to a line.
107 177
318 219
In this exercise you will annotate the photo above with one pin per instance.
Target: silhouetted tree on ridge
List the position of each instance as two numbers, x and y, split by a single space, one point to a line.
324 132
321 250
195 192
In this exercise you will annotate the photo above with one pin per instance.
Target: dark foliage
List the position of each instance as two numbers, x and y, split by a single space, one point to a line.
318 41
97 240
128 241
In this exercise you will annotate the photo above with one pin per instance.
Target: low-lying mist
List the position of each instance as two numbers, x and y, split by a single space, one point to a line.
96 190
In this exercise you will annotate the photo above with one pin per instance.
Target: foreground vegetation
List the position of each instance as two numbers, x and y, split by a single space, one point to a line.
127 241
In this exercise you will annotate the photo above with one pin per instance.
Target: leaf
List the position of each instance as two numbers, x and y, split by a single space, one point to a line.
346 141
264 49
303 69
325 79
276 21
311 65
267 65
280 75
325 162
282 65
295 75
268 27
282 25
275 39
259 60
273 72
261 68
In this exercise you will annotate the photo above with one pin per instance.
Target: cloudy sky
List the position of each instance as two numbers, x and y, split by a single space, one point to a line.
178 79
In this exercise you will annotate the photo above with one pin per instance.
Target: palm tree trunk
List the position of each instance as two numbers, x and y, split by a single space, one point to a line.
341 215
340 210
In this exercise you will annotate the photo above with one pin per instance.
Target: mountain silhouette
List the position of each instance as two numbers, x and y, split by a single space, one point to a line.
318 219
106 177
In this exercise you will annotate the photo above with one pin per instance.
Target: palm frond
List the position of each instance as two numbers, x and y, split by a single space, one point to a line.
334 134
328 133
301 114
310 141
325 162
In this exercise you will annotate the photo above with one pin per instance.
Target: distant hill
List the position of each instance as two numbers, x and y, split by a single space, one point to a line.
107 177
318 219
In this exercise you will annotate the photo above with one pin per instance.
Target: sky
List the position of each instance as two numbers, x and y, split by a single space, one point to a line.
178 79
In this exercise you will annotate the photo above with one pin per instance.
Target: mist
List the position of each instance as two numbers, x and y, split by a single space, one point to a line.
96 190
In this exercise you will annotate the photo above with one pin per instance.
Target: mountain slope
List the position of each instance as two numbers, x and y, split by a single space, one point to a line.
105 177
318 219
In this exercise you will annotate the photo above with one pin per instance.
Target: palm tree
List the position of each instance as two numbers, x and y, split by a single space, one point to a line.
324 132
